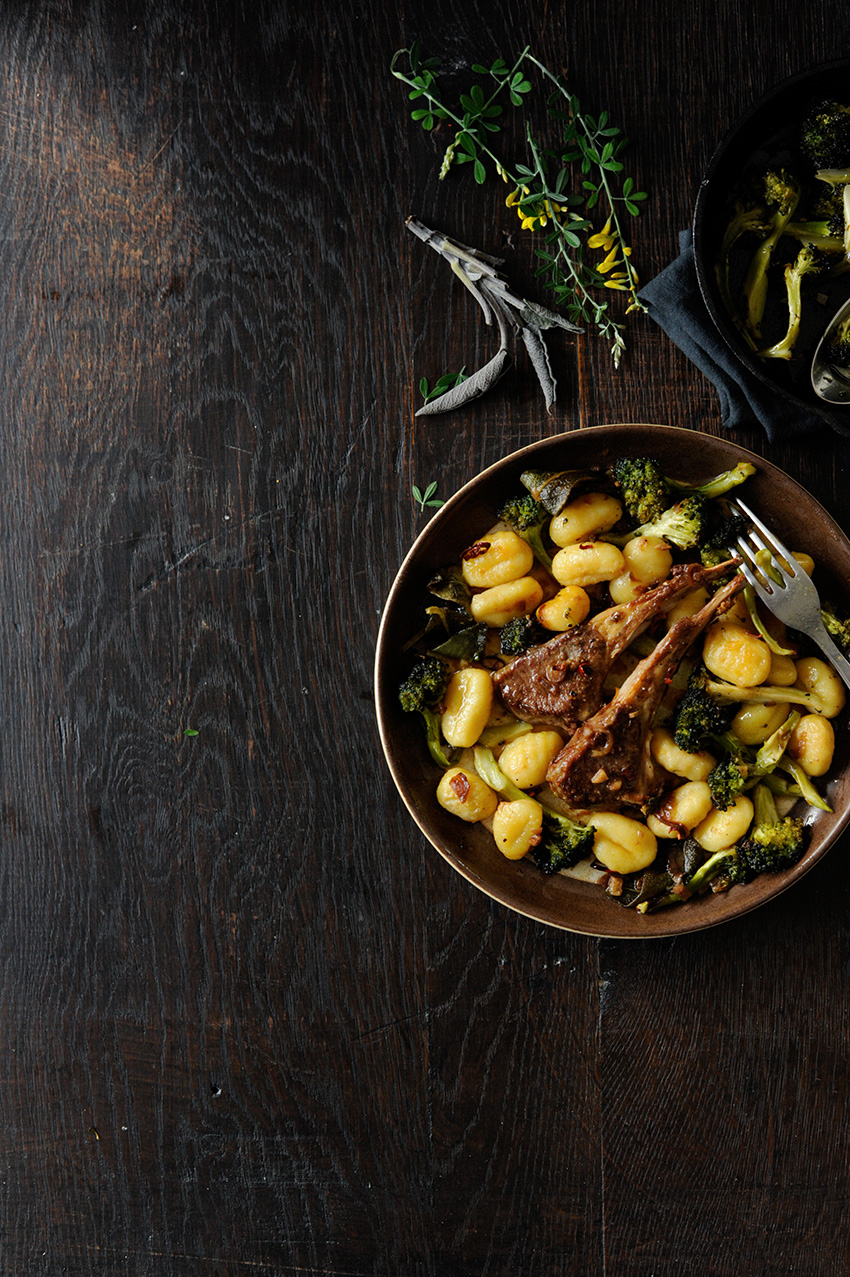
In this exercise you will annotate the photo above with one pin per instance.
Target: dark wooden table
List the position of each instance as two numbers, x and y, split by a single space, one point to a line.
249 1020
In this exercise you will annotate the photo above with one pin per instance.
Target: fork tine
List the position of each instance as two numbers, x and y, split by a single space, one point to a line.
770 542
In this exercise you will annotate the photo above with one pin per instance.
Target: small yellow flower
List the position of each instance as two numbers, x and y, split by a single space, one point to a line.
619 284
502 174
609 262
513 198
602 239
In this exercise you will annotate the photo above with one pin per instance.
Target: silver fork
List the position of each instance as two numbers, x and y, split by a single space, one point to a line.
796 601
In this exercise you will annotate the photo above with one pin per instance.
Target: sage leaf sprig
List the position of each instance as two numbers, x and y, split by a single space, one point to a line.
513 315
564 190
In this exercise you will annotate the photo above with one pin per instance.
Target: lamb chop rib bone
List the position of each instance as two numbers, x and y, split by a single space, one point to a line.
608 759
559 684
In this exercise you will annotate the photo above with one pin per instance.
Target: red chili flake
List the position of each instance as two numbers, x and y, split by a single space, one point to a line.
459 785
475 551
585 669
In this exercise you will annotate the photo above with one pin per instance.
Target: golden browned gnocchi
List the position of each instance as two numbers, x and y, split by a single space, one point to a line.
465 794
502 603
587 563
691 766
517 827
585 517
620 843
755 721
812 744
732 653
525 761
648 559
565 609
499 557
681 810
469 699
816 676
722 829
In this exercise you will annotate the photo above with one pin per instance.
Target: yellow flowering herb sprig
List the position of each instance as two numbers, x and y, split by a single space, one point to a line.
587 157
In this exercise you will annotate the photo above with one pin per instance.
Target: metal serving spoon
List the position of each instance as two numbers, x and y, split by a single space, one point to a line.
828 382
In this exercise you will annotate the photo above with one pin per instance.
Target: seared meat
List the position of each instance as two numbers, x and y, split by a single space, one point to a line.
559 684
608 759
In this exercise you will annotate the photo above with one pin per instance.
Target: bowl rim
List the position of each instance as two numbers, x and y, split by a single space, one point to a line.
705 191
690 921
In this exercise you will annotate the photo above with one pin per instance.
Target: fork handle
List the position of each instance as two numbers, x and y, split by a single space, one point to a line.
828 647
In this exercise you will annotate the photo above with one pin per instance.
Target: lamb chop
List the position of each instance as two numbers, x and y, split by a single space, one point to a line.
559 684
608 759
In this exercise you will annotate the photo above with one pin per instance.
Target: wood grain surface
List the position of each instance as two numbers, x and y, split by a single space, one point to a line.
249 1020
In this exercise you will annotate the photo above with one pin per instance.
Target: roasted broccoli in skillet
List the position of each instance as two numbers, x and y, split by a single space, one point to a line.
774 842
421 692
825 135
782 194
809 261
527 518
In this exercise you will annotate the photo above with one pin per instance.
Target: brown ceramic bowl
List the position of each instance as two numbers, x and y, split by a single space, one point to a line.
558 900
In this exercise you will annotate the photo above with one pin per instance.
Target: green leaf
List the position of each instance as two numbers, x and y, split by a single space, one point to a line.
479 69
479 173
428 122
189 731
423 390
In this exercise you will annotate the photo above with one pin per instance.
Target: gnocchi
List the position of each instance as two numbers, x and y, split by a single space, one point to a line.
499 557
463 793
502 603
587 563
585 517
620 843
812 744
469 699
565 609
816 676
732 653
525 761
517 827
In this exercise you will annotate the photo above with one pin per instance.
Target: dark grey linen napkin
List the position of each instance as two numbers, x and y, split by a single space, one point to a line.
675 303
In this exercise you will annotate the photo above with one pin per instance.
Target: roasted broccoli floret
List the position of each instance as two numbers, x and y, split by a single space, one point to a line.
719 485
527 517
563 842
521 633
421 692
698 716
782 194
720 545
727 779
809 261
773 842
643 486
838 630
685 524
825 135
